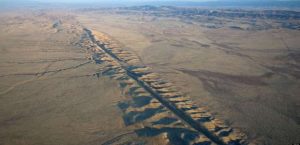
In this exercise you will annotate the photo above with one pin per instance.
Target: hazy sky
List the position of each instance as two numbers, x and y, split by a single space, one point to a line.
141 0
264 3
84 1
115 0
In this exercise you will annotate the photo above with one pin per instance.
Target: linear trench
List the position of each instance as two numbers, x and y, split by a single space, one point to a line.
179 113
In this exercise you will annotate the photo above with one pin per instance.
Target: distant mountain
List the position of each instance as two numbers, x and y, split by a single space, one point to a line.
117 3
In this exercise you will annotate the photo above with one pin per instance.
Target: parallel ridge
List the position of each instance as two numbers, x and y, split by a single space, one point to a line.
152 117
124 63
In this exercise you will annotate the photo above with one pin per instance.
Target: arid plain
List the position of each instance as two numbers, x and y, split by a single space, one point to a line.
129 76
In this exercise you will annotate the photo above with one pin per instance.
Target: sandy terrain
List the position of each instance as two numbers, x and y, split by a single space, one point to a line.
63 84
48 92
249 78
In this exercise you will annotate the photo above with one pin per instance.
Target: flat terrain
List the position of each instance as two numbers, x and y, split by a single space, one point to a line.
248 77
54 90
48 92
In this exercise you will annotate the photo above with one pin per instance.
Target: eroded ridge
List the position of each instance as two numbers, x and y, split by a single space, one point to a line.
152 118
166 101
